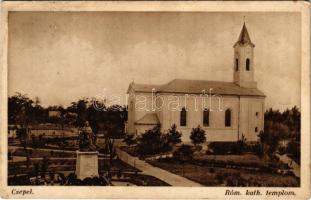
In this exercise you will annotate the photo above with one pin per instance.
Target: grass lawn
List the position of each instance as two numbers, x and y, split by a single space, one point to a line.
245 158
38 153
221 176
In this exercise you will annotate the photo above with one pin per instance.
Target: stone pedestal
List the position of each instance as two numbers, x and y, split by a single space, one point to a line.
87 164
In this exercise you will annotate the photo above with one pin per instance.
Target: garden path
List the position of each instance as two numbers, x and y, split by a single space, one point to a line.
291 163
168 177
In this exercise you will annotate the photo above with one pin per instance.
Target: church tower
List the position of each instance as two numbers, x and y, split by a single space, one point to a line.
244 60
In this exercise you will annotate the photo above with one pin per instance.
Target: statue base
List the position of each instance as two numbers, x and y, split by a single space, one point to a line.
86 164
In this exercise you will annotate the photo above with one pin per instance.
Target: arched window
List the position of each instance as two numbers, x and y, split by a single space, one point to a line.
183 117
205 117
228 118
256 129
247 64
236 64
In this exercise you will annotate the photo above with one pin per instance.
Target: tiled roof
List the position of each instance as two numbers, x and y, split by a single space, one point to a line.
197 87
244 37
148 119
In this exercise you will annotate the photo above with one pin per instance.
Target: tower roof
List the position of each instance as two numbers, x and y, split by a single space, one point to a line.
244 37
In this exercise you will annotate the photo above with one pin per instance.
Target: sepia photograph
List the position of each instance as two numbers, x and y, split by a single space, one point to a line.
171 99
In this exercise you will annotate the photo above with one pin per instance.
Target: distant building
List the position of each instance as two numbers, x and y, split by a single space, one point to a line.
54 113
52 130
234 109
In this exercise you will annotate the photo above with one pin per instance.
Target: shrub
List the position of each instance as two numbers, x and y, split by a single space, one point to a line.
225 148
211 170
152 142
282 150
173 136
255 148
221 177
129 140
293 149
241 144
197 135
184 153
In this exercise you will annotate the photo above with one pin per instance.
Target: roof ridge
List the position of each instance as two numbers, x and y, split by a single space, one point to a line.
196 86
184 79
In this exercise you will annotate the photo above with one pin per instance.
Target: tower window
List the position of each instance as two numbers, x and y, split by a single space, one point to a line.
236 64
183 117
205 117
256 129
132 105
257 114
247 64
228 118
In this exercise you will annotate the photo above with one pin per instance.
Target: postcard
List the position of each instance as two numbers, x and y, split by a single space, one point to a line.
158 99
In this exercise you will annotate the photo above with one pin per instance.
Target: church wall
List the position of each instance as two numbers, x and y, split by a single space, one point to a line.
249 106
143 105
169 106
131 114
138 106
216 131
168 112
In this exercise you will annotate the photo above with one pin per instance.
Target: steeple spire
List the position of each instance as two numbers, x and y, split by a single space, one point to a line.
244 37
243 60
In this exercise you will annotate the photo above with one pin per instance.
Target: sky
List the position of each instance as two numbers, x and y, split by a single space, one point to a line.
63 56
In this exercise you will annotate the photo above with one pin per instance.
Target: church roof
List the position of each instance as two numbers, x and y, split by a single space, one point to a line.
244 37
185 86
148 119
142 87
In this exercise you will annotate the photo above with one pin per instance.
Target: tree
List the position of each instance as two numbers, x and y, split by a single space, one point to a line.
197 136
22 135
173 136
19 109
109 148
23 110
281 126
272 134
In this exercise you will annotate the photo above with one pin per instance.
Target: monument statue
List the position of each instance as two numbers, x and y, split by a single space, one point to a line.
86 138
87 156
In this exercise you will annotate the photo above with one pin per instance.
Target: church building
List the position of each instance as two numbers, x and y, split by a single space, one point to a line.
225 110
